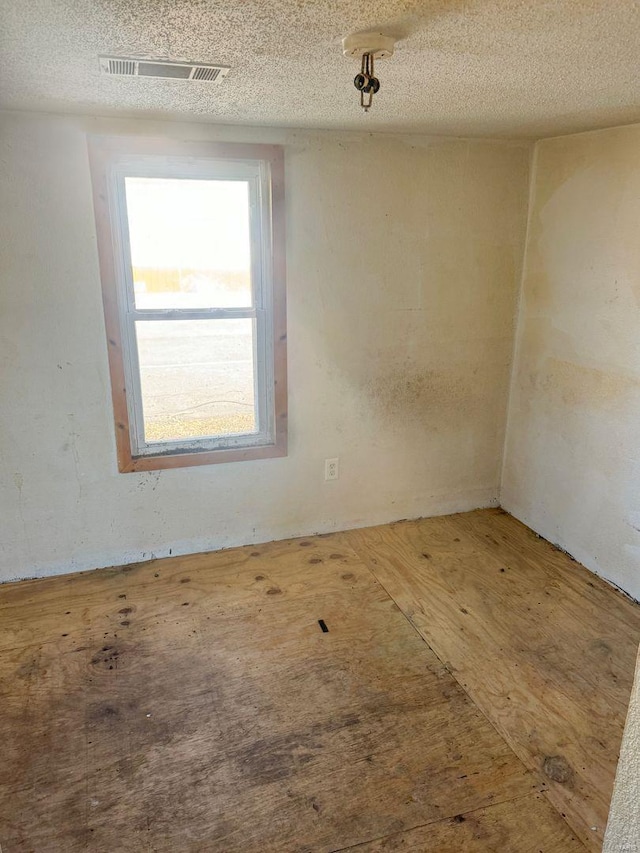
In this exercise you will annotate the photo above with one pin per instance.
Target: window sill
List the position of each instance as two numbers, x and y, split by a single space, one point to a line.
202 457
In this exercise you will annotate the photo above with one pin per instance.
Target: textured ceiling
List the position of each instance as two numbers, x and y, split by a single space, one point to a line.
465 67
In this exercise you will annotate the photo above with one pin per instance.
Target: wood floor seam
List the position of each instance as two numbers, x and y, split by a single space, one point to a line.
445 820
452 673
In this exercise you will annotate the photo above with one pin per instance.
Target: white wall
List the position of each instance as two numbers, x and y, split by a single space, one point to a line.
623 826
403 267
572 460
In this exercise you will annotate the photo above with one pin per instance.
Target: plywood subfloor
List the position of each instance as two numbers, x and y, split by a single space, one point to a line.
469 694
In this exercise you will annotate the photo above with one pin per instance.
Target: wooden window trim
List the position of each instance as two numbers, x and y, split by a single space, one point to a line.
103 151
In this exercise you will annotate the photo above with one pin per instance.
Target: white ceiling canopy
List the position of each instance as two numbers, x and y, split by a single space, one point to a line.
517 68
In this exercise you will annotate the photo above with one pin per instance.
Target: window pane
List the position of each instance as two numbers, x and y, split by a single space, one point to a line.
190 242
197 378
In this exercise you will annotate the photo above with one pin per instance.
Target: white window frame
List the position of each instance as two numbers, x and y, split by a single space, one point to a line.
110 173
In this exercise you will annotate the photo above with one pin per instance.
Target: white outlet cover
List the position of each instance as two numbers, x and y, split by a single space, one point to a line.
331 469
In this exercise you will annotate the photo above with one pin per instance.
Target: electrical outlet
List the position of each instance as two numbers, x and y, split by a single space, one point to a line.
331 469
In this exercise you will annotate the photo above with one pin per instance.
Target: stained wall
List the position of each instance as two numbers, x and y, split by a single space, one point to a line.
404 259
572 458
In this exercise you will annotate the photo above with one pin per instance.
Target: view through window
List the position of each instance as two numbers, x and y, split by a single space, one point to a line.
191 251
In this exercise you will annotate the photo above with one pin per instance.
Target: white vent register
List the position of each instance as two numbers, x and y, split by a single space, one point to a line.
119 66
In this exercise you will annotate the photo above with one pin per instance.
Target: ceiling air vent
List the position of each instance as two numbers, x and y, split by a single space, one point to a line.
126 67
206 72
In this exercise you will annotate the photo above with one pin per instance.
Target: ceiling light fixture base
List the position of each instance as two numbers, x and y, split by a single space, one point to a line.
376 45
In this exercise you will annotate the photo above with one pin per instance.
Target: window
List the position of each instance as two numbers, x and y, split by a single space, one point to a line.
191 245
